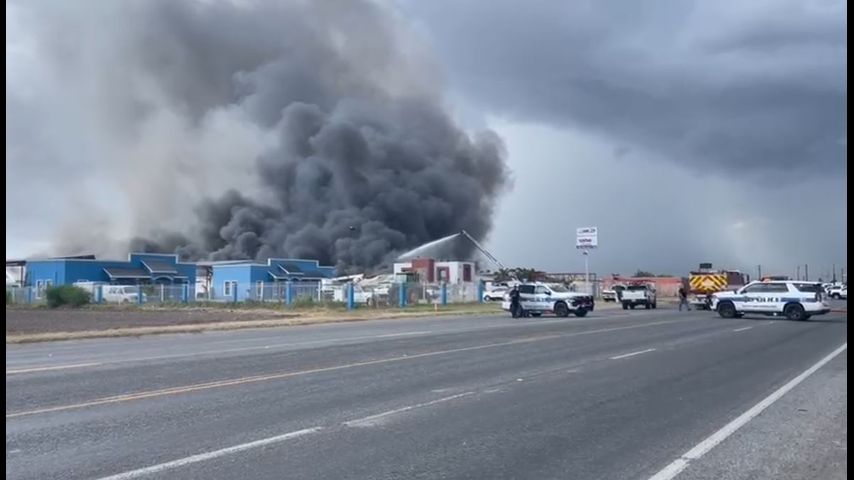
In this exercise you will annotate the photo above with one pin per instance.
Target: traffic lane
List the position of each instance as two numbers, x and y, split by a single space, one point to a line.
803 435
134 434
109 349
122 349
45 388
29 396
617 419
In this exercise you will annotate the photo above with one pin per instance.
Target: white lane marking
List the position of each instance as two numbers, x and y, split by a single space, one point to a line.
359 422
46 368
332 341
281 375
237 349
261 339
371 420
210 455
742 329
181 336
626 355
389 335
678 465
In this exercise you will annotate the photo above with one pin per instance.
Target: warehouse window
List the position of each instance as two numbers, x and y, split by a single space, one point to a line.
227 288
39 288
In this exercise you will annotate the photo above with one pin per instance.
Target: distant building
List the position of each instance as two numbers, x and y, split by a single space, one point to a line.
247 278
139 269
428 270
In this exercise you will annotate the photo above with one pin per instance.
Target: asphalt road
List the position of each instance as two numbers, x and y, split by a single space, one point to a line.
614 395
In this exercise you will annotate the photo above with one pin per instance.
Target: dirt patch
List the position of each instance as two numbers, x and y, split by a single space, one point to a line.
37 320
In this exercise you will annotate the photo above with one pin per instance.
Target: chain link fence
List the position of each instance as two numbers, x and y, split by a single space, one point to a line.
392 295
106 293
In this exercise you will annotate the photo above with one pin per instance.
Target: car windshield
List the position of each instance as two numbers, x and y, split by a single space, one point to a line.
559 288
636 287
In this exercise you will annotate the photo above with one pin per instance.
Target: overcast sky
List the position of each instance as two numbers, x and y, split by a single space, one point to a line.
686 131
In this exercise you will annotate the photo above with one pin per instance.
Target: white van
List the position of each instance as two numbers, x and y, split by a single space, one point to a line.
121 294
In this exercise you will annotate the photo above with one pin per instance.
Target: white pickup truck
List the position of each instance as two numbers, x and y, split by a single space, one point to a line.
635 295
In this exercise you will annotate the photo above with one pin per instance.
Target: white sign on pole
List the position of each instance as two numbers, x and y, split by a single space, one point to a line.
587 237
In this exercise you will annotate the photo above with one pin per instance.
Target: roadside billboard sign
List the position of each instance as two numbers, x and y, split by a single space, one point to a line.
587 237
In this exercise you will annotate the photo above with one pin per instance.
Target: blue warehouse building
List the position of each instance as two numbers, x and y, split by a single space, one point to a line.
139 269
246 280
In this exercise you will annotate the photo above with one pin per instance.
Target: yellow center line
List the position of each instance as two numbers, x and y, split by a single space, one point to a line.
281 375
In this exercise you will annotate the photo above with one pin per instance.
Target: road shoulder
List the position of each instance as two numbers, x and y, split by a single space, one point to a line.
803 435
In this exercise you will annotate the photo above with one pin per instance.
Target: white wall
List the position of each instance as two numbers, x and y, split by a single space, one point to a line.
400 267
455 271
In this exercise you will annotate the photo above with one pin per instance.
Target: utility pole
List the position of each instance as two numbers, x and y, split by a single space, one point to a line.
834 273
586 274
807 272
759 268
798 277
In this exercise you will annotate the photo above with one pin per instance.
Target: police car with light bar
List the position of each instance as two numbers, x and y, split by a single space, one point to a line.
796 300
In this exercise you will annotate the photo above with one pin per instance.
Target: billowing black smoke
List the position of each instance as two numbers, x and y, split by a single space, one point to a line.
245 130
351 187
359 169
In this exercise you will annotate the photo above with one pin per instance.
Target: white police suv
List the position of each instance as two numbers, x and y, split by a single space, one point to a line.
795 300
539 298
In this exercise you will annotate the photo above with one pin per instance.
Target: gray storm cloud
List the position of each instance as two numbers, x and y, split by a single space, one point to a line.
300 129
758 87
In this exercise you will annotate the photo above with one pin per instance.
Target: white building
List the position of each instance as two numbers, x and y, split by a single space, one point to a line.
431 271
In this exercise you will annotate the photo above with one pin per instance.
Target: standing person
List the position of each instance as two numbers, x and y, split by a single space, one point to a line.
515 304
683 299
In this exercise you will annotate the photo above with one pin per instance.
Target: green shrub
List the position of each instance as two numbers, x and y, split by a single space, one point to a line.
66 295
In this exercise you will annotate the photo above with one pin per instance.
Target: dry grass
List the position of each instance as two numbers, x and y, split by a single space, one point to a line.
304 318
275 318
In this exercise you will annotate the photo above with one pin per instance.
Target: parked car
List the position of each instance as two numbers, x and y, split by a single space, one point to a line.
613 294
495 295
838 292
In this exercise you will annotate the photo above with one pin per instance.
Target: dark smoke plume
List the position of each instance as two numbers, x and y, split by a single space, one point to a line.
349 153
400 173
